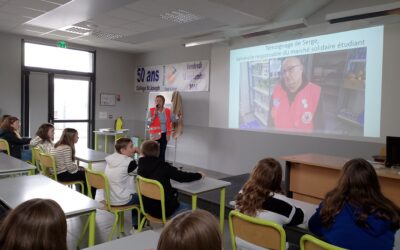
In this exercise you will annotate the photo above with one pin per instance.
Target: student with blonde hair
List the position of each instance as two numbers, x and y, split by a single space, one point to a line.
261 196
34 224
191 230
355 214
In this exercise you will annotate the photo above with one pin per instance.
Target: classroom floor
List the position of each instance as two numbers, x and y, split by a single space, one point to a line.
105 220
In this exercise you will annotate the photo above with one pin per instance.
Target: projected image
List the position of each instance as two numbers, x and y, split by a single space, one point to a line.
331 91
319 92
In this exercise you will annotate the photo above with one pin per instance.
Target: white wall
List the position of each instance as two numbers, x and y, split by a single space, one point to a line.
10 75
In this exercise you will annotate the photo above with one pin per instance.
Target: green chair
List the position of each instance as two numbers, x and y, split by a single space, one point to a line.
263 233
151 189
36 158
4 146
99 180
309 242
48 167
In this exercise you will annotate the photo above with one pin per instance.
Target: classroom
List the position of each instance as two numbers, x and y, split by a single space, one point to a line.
86 64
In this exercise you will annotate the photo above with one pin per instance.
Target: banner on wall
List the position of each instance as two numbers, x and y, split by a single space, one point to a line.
187 76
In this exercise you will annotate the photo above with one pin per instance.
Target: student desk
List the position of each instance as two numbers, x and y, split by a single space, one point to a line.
204 185
14 191
89 156
140 241
10 165
106 134
310 176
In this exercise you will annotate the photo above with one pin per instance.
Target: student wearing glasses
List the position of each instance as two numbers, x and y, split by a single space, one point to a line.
295 102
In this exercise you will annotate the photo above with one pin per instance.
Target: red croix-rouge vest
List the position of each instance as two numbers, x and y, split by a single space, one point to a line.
300 114
155 126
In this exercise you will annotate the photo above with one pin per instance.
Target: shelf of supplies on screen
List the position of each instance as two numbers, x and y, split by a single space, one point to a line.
261 76
263 106
261 119
262 91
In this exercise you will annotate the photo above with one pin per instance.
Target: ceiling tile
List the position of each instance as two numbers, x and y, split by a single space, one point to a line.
34 28
20 10
152 7
57 2
127 14
34 5
135 28
8 17
110 21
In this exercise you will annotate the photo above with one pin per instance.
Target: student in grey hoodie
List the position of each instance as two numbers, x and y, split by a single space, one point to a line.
122 187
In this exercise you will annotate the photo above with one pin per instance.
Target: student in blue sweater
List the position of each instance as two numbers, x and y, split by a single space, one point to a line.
355 215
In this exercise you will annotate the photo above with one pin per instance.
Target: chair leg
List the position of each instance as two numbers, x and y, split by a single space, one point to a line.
114 226
138 215
83 232
82 188
122 222
119 225
141 224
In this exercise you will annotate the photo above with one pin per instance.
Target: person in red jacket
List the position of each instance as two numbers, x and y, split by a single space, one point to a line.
159 121
294 102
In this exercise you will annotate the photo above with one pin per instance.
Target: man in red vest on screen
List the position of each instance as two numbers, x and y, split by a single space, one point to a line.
294 102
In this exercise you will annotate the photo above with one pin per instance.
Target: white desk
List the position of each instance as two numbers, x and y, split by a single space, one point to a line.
106 135
14 191
10 165
89 156
204 185
142 241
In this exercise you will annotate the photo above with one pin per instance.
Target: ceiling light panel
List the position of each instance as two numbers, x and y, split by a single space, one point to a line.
180 16
64 34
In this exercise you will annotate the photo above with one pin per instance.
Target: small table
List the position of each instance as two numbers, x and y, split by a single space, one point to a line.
204 185
106 134
140 241
14 191
10 165
89 156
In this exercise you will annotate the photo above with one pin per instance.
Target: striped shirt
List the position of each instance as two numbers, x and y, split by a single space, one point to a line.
63 157
44 146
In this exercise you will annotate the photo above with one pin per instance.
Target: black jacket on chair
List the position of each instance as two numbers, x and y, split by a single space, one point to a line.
156 169
14 142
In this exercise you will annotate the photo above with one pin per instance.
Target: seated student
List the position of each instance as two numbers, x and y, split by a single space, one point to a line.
150 166
261 196
1 121
191 230
355 214
10 132
64 155
122 187
44 138
34 224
